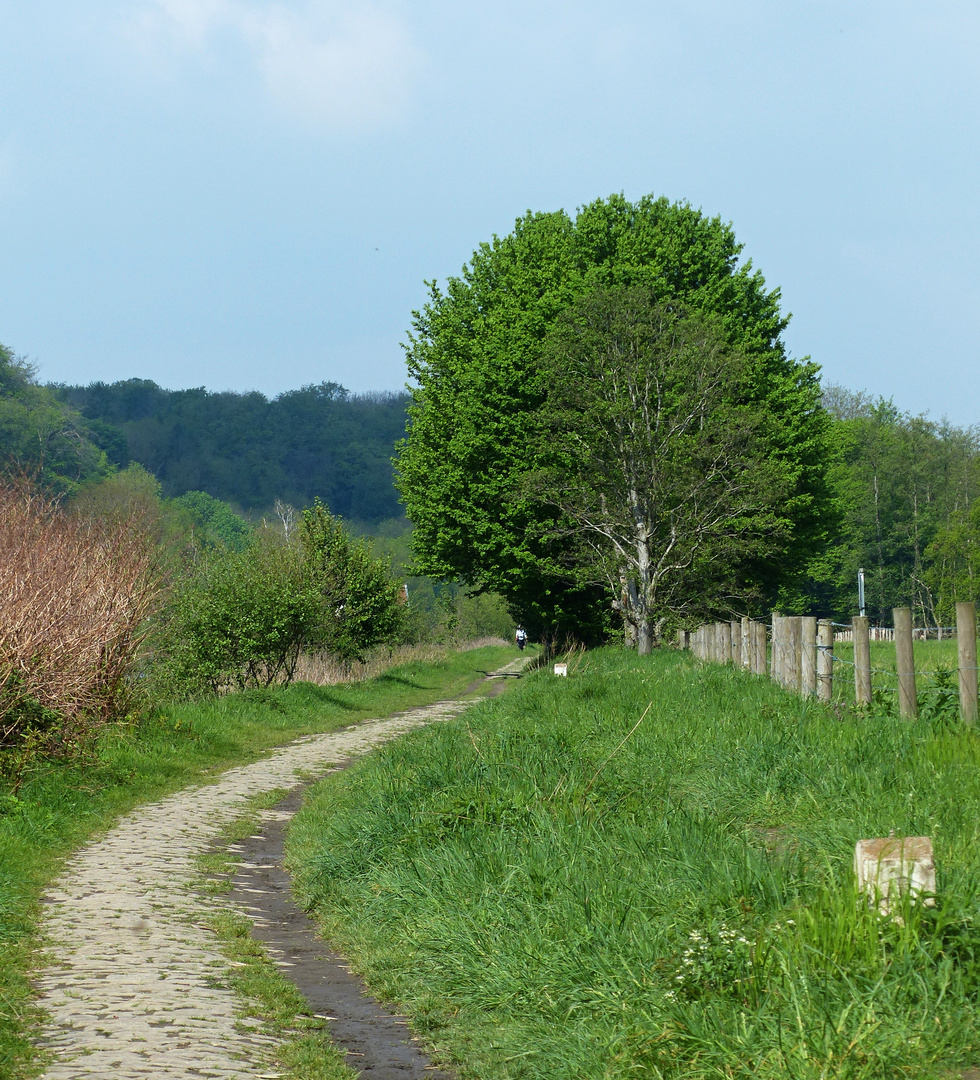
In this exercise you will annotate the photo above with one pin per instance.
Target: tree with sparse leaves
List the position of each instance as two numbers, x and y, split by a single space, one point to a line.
656 459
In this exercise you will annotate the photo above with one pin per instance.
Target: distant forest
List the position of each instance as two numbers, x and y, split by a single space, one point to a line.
906 489
249 451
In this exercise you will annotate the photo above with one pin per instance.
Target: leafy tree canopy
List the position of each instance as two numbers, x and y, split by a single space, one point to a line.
475 354
215 521
242 448
42 437
906 487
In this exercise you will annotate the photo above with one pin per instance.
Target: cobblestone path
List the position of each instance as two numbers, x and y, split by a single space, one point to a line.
136 990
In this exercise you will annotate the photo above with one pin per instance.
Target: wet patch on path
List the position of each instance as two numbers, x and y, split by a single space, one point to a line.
375 1040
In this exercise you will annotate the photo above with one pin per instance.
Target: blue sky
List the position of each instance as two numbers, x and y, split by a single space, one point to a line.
249 194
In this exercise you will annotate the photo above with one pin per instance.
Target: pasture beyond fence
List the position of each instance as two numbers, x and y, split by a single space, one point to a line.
798 652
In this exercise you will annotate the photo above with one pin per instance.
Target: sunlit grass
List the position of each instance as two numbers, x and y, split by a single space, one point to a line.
935 666
681 909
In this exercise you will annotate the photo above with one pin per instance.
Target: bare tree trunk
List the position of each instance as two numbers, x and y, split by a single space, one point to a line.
644 586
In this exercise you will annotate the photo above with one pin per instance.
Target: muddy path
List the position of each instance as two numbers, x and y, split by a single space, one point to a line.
137 987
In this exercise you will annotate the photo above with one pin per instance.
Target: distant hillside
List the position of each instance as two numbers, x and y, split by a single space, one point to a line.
247 450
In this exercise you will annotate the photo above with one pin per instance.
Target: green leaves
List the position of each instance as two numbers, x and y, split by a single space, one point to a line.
477 355
243 619
40 436
356 597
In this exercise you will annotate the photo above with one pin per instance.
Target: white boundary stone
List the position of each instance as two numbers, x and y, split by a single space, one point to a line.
889 867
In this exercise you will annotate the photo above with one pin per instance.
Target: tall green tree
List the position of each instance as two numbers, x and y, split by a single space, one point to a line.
475 354
905 486
660 466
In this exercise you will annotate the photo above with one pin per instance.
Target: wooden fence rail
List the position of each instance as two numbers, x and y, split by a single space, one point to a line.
798 653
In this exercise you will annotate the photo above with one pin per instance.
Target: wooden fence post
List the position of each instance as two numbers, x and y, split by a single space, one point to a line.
825 660
791 671
862 660
725 638
966 648
808 656
736 638
775 670
759 648
908 707
746 632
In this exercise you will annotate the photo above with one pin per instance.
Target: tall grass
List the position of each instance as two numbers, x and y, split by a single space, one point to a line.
324 669
74 597
548 895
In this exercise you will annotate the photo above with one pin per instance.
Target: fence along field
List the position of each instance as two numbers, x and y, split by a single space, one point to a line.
798 652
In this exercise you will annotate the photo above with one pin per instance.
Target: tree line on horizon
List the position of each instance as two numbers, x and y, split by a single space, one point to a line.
319 441
901 489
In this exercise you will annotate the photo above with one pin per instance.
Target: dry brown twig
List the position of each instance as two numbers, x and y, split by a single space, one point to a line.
75 595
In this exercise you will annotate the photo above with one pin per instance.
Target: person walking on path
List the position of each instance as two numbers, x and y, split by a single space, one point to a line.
521 638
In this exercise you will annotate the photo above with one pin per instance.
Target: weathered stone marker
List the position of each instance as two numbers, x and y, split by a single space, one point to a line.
890 867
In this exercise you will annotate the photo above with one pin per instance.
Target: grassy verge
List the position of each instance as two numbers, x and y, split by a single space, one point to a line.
269 1003
549 895
60 805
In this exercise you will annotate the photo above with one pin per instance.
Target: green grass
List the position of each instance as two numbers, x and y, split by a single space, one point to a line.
935 667
268 1002
546 900
60 805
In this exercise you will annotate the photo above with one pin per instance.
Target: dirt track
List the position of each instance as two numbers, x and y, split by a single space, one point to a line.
136 990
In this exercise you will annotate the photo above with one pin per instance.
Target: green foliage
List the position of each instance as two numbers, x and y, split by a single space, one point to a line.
438 611
214 521
549 890
906 490
243 617
475 353
660 458
241 620
357 599
952 571
249 451
40 436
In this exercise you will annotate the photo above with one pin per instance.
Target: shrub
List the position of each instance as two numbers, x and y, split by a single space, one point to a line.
240 620
357 597
244 618
74 598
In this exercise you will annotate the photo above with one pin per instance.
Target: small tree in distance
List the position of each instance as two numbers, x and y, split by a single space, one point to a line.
655 457
245 617
357 598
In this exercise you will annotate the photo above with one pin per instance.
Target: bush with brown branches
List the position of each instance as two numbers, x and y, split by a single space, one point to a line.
75 595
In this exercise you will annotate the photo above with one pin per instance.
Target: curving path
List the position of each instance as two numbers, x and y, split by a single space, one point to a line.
136 990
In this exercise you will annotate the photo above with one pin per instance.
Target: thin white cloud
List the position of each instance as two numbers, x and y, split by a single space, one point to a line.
334 62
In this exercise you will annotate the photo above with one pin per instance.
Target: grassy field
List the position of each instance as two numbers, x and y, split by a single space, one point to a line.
935 667
550 893
61 805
